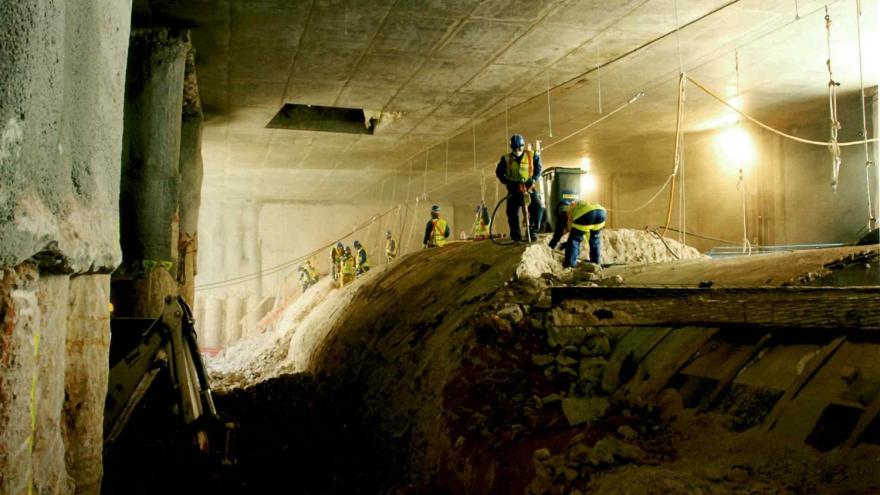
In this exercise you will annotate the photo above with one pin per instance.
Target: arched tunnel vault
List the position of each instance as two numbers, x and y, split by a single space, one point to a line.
458 371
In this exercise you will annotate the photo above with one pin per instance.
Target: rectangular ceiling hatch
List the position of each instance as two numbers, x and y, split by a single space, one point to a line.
324 119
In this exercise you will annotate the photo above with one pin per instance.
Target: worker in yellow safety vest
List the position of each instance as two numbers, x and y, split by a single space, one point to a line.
520 171
436 230
360 259
307 276
578 217
390 247
349 269
336 253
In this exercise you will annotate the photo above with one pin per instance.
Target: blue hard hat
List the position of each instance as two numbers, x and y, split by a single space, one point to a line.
338 244
517 141
435 209
357 243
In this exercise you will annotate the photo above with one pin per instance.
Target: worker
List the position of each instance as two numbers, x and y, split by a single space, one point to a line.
336 253
349 269
520 170
390 247
578 217
360 259
481 223
436 230
307 276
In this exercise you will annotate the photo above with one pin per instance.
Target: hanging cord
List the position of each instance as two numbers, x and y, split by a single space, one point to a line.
629 102
549 116
676 161
767 127
412 228
506 122
833 85
492 224
660 237
425 178
678 37
446 176
741 184
699 236
872 220
474 142
646 203
599 75
797 14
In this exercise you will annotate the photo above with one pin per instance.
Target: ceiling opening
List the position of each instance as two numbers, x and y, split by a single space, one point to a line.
324 119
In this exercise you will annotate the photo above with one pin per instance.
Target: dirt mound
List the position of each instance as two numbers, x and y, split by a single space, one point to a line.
630 246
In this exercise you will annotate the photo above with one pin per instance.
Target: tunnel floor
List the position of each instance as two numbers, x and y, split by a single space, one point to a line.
481 383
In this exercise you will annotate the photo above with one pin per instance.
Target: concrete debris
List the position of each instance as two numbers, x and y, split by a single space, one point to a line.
632 246
580 410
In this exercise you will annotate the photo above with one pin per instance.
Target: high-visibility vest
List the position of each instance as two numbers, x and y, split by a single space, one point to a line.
522 171
578 209
357 258
390 248
336 254
348 267
438 233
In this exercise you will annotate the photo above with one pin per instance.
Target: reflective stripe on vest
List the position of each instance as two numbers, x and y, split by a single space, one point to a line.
522 171
578 209
438 237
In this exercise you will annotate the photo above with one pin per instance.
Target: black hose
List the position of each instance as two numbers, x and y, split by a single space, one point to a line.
492 223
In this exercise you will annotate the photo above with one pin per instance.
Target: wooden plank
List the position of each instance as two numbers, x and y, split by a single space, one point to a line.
864 422
758 307
731 375
809 372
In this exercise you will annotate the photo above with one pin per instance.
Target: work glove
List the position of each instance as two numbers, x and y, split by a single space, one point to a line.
530 184
522 188
553 245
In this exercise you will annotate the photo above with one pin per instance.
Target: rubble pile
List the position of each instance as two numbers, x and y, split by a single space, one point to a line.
262 356
452 372
631 246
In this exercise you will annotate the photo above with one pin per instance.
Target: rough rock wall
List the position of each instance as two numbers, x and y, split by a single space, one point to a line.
61 89
62 66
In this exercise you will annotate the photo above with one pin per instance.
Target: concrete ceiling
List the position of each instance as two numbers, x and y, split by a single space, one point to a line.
452 68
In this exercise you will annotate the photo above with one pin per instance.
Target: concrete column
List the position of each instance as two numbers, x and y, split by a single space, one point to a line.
150 169
232 326
212 326
190 189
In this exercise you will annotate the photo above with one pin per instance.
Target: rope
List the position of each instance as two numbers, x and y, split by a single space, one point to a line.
549 117
646 203
474 141
678 37
833 85
599 75
446 180
741 185
676 161
658 236
629 102
506 122
767 127
699 236
872 220
425 177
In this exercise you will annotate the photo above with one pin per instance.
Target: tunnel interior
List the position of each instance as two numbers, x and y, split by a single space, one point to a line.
424 247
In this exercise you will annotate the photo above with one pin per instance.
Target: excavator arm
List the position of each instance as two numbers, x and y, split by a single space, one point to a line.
140 350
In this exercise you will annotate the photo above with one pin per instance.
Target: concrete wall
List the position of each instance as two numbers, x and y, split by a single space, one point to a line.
249 238
62 74
789 199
